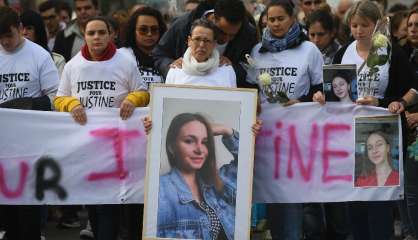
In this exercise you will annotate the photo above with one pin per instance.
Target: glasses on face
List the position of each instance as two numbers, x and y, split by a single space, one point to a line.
309 3
198 40
144 30
50 17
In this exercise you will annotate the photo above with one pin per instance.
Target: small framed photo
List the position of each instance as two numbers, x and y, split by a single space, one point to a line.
340 84
377 151
200 163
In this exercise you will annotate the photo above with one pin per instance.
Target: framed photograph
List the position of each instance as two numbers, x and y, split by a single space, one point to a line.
340 83
199 163
378 151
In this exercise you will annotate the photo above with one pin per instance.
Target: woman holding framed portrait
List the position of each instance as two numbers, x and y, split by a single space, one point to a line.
197 199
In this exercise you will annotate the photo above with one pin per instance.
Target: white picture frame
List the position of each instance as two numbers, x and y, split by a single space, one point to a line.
234 108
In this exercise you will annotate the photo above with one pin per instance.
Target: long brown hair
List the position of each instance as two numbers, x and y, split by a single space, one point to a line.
209 172
368 166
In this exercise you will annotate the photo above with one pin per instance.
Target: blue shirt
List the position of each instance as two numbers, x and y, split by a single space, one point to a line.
179 215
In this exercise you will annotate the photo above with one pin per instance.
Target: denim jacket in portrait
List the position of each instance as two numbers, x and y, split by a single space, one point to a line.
179 215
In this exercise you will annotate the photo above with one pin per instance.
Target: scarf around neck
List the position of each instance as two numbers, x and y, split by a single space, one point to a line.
194 68
108 53
274 44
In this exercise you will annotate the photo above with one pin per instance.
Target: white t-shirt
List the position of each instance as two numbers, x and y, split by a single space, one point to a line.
148 75
367 84
100 84
223 76
292 71
27 72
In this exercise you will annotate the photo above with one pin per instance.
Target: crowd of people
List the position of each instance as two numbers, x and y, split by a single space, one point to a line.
52 61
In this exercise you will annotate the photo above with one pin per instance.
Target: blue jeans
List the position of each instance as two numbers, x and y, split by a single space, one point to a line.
285 220
371 220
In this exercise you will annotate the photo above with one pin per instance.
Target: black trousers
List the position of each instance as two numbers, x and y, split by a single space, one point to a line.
22 222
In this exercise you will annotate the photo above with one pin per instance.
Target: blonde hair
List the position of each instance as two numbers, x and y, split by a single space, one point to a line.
364 9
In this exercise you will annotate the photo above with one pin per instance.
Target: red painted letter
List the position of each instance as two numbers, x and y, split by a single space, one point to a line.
328 153
118 137
24 169
306 172
277 141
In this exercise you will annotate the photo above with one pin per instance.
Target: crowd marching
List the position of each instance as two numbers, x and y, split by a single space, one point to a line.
51 61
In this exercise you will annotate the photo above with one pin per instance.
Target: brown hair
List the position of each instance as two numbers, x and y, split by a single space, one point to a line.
208 172
364 9
368 165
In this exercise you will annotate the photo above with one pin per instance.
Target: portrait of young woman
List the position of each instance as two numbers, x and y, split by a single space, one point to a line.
377 164
341 87
196 198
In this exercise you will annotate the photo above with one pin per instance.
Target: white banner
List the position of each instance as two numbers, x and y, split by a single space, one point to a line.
47 158
307 153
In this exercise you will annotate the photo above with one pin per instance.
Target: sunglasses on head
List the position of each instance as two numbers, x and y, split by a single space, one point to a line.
147 29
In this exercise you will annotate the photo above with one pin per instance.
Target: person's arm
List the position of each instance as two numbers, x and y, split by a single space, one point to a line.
231 142
49 79
229 172
409 99
401 77
315 74
64 102
138 95
237 51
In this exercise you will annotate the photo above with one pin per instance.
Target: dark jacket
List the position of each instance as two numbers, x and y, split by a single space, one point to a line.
401 75
173 44
64 41
64 45
412 57
39 103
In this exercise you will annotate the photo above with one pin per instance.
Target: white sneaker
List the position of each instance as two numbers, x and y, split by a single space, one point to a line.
87 232
2 233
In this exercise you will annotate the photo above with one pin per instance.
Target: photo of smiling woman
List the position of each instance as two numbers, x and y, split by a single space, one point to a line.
377 164
341 89
339 86
196 198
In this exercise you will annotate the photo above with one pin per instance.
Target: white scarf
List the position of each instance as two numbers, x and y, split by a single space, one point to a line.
194 68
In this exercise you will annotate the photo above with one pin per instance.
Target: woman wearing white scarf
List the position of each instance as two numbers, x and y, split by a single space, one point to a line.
201 60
